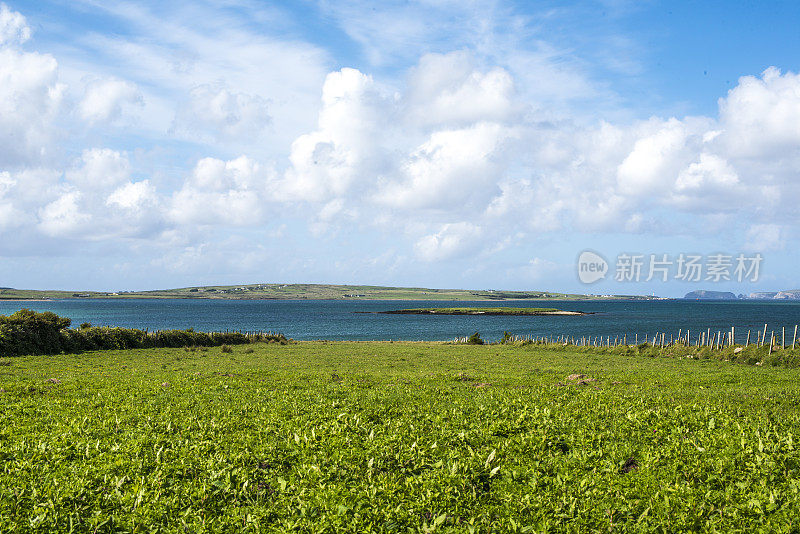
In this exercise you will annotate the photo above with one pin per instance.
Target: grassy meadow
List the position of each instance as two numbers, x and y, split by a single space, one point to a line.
398 437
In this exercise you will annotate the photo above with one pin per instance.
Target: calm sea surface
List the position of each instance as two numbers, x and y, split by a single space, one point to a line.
336 319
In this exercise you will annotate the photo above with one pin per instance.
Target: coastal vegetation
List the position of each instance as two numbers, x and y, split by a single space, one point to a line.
29 332
390 437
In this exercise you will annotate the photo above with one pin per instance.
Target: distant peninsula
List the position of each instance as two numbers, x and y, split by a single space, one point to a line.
703 294
484 311
310 291
790 294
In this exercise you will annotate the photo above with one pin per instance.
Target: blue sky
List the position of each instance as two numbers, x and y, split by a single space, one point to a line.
429 143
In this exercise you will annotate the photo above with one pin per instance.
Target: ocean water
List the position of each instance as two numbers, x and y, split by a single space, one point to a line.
337 319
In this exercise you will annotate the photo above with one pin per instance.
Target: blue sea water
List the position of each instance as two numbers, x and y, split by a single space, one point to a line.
336 319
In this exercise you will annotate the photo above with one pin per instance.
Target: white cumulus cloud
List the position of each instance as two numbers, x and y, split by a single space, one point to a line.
13 27
760 117
222 193
30 102
451 241
100 168
64 216
105 100
133 196
219 113
454 168
450 89
345 149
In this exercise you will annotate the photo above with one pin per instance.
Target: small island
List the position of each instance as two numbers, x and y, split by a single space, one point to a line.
485 311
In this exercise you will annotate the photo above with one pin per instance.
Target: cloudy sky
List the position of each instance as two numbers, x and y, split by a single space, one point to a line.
434 143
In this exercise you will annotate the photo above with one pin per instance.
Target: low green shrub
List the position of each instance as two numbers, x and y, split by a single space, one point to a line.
475 339
30 332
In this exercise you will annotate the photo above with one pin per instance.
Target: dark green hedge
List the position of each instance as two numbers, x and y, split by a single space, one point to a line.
30 332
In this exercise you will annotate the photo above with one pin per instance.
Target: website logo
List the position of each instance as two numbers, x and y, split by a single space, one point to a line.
591 267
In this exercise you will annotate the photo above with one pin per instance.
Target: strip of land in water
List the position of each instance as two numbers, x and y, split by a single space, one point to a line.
309 291
484 311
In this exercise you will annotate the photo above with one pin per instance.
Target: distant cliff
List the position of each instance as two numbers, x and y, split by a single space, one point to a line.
790 294
703 294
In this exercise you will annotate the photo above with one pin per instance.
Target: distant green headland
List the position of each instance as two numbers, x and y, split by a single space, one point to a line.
485 311
704 294
310 291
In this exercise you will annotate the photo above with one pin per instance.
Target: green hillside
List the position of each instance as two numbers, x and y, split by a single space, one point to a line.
306 291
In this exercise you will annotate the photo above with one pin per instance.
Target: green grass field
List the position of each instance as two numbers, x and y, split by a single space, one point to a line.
397 437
